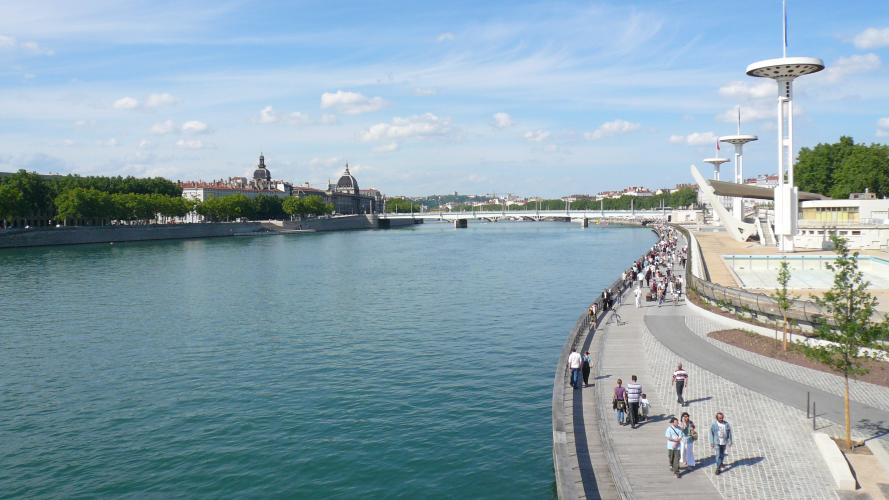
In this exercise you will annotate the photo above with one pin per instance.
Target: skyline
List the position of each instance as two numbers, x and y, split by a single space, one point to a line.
508 97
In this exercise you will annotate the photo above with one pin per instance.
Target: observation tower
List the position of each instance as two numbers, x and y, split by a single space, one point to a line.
738 140
784 71
716 162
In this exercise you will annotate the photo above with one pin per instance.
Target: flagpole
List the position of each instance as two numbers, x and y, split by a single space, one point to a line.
784 4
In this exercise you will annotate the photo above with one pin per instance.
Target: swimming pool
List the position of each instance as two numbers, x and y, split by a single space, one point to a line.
806 271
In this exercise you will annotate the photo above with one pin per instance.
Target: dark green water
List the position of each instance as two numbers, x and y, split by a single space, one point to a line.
404 363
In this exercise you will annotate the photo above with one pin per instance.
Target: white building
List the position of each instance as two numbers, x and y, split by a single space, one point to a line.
863 222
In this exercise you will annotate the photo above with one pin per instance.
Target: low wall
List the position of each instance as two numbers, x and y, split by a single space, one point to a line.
105 234
564 454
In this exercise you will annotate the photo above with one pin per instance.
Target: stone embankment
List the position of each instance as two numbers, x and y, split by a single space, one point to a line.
115 234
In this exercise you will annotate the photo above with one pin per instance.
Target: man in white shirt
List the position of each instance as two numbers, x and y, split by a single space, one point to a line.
638 294
574 362
680 379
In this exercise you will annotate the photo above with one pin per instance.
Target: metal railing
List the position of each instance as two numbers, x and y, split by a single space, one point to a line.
805 311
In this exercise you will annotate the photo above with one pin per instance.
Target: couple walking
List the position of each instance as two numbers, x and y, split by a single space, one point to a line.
682 434
628 401
579 365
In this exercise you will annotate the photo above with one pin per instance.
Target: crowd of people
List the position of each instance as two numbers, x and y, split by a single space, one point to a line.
654 278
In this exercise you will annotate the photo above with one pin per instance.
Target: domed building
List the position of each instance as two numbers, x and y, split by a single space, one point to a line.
262 178
348 198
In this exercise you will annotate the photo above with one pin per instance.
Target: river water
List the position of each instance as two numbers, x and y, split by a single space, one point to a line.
404 363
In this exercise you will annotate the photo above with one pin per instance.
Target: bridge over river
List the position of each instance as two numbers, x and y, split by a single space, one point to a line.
460 219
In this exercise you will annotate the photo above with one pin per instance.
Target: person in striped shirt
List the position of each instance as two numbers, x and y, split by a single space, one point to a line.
680 379
634 393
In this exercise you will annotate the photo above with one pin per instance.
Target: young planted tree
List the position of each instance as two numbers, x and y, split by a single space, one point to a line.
784 298
848 328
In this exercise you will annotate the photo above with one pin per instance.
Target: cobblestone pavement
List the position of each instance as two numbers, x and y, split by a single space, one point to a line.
774 455
863 392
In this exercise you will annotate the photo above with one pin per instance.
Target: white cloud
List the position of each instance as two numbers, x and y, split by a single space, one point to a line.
426 125
351 103
297 118
537 135
145 144
109 143
163 128
328 119
325 162
444 37
268 115
11 43
126 103
883 127
503 120
386 148
859 63
608 129
194 127
872 38
190 144
694 138
160 100
424 91
68 143
749 90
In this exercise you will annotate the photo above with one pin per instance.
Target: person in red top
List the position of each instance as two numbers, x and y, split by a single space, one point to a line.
680 379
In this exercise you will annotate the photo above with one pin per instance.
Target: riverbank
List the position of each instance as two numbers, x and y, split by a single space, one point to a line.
117 234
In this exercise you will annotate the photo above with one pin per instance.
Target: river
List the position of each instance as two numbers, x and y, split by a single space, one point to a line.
404 363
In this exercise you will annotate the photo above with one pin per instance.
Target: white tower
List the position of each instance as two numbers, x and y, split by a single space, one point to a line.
784 70
716 162
738 140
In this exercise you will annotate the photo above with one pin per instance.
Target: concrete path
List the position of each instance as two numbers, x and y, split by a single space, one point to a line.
675 335
642 467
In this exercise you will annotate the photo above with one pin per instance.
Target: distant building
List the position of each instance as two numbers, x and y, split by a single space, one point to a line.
261 184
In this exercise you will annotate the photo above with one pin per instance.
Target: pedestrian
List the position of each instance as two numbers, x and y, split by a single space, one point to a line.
674 439
634 392
644 407
619 403
574 362
638 294
680 379
720 439
689 436
585 368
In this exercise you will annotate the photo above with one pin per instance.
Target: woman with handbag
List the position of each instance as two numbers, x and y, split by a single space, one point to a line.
619 403
689 436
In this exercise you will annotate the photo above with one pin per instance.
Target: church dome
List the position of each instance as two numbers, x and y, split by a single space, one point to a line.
347 182
262 173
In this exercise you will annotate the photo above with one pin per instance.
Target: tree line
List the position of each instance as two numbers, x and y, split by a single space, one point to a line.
228 208
838 169
98 200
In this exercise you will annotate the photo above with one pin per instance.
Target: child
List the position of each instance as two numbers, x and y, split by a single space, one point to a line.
644 405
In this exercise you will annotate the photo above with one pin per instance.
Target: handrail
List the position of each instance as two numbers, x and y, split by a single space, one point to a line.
800 310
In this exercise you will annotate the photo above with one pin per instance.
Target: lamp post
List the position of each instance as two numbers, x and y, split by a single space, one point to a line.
738 141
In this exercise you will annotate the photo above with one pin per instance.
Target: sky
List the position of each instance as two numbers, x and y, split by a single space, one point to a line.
421 97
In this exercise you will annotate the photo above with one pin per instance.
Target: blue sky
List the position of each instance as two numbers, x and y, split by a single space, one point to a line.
534 98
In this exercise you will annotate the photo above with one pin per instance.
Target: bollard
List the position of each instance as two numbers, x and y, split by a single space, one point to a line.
807 403
814 416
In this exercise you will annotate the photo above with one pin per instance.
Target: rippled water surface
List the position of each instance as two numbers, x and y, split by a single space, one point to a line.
412 363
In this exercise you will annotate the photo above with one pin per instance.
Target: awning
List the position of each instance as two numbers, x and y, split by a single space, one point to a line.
723 188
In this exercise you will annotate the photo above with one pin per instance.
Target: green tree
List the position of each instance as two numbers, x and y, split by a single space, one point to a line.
848 329
10 200
34 199
294 206
268 207
315 205
79 204
783 297
865 167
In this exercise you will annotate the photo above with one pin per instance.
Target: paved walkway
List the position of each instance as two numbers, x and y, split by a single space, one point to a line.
675 335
